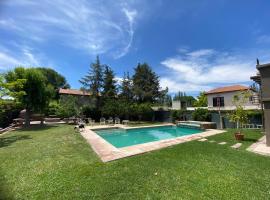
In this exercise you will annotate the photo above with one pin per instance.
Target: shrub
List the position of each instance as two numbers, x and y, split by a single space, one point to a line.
52 109
179 115
68 107
201 114
9 110
90 111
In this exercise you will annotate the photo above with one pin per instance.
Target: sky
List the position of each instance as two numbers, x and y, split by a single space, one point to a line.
193 45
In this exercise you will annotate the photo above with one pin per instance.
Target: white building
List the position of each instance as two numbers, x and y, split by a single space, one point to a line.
222 98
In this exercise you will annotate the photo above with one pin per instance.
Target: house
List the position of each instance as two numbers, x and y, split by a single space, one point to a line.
178 105
263 79
222 98
82 97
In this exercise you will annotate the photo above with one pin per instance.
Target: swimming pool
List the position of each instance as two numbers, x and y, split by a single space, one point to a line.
128 137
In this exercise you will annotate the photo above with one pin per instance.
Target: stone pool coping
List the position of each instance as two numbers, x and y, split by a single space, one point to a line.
107 152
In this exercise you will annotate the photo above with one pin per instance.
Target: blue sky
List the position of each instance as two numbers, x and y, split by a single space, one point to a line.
192 45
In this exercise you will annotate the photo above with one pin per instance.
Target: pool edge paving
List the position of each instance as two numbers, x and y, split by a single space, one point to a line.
107 152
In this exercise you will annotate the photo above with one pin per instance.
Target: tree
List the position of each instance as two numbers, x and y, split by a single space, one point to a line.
126 88
145 84
240 115
93 80
33 93
202 100
54 78
181 96
201 114
68 106
53 81
109 83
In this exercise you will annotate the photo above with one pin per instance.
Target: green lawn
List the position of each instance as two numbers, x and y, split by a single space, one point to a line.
56 163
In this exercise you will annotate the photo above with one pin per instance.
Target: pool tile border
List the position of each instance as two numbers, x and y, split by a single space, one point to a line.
107 152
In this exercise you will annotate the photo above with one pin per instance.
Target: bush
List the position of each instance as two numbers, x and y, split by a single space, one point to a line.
68 107
52 109
201 114
91 112
179 115
142 111
9 110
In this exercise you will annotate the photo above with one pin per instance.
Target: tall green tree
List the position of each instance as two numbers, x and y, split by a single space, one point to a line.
126 88
54 78
53 81
35 94
93 80
201 100
109 83
146 86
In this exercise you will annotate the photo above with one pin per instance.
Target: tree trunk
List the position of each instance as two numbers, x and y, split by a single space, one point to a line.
27 118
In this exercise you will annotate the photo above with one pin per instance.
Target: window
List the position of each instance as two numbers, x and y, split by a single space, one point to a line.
218 101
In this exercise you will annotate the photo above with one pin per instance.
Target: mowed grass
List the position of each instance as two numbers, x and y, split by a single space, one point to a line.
56 163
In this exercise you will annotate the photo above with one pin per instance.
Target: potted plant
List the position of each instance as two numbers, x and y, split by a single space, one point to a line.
239 115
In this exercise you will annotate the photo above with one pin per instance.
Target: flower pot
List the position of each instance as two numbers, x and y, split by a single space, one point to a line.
239 136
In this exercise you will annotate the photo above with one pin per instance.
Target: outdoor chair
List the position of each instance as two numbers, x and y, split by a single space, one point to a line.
125 122
102 121
91 122
117 120
110 120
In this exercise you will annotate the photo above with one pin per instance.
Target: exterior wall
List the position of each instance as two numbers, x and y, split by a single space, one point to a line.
176 105
81 100
265 83
228 101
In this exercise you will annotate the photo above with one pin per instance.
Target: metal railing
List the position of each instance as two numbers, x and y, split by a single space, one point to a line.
252 126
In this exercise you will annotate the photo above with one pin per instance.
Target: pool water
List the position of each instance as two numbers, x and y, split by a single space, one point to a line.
123 138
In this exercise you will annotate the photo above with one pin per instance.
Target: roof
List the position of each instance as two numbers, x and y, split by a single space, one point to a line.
73 92
263 65
228 89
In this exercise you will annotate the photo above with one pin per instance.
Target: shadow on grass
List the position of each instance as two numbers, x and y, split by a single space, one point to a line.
6 141
36 127
250 140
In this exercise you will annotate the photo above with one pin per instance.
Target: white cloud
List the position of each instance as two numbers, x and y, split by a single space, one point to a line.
24 56
205 68
6 61
130 14
92 26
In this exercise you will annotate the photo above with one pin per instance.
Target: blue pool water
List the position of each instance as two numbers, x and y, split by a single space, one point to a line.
123 138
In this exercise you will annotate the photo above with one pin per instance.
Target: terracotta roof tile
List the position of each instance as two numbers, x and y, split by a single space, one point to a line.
73 92
228 89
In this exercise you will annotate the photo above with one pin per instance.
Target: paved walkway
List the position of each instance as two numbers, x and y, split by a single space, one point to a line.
260 147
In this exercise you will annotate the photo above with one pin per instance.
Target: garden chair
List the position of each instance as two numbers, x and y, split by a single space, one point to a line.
110 120
102 121
91 122
117 120
125 122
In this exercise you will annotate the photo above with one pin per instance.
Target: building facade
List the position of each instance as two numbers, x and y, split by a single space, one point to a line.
222 98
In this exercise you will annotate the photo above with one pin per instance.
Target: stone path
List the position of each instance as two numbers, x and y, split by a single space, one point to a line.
212 141
222 143
202 140
260 147
236 146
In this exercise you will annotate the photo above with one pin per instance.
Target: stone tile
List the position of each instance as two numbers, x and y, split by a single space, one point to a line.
236 146
202 140
222 143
